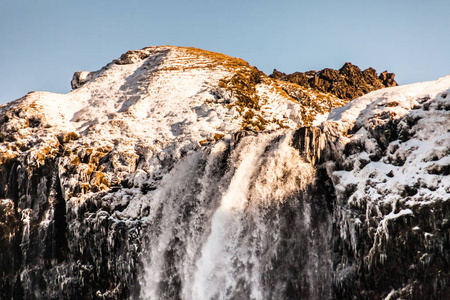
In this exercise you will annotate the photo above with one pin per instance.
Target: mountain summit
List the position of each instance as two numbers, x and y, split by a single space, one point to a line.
176 172
156 102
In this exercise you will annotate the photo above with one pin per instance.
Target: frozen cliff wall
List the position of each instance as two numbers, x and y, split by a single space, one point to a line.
180 173
392 188
387 155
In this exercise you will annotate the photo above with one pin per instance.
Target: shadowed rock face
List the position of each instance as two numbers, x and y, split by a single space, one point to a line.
347 83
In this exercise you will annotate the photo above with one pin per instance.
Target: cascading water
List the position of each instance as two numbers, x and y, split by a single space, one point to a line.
238 222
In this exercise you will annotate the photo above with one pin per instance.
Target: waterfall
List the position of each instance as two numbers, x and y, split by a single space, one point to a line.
238 222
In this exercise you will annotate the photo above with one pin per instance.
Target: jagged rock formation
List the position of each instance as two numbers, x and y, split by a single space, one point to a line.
180 173
347 83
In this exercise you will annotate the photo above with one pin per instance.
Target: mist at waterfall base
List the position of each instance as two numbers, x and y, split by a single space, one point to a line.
238 222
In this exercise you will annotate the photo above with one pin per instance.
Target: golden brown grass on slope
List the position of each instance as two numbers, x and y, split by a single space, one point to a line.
217 58
204 59
242 87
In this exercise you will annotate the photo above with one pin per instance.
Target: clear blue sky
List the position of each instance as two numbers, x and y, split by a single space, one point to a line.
43 42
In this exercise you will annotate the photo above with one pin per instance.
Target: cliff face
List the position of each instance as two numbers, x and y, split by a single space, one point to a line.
180 173
391 215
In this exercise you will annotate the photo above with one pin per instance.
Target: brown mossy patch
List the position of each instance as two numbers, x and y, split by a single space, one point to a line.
101 180
281 123
66 137
203 142
85 164
392 104
75 161
252 121
242 88
203 58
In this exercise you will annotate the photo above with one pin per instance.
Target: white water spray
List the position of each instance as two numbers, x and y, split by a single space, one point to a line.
216 228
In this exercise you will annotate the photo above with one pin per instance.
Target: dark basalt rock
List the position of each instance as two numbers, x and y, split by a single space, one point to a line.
131 57
388 79
80 78
348 83
316 144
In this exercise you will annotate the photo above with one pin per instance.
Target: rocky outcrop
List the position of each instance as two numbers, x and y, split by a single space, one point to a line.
347 83
79 78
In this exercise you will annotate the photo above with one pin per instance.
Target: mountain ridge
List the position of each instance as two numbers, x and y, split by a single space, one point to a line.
347 83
